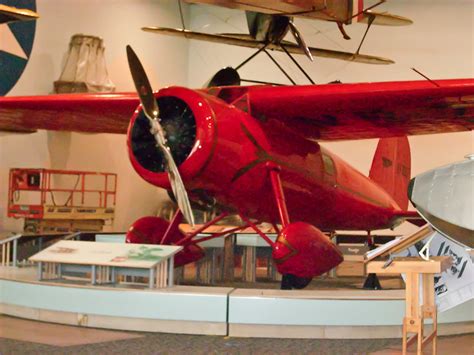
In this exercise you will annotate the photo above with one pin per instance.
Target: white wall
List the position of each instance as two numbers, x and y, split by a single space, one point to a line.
440 44
118 22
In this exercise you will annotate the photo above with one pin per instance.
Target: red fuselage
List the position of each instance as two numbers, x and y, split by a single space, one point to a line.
228 162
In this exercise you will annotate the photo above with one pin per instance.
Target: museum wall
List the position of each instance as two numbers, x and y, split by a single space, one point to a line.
439 44
118 22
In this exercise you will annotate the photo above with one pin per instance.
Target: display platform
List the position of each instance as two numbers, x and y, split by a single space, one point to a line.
338 313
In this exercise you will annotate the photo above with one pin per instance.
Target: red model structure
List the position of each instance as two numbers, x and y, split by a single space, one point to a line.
252 151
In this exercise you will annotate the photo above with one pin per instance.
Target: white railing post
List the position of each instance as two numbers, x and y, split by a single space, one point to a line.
9 251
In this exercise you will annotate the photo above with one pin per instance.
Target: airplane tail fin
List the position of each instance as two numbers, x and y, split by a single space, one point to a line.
391 168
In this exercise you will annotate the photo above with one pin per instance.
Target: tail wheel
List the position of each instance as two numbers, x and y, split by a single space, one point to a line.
290 282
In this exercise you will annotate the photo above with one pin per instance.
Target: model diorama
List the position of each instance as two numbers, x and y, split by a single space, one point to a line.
250 150
255 152
320 188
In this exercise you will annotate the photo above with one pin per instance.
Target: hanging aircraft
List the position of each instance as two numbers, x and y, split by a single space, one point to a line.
254 151
12 14
270 21
338 11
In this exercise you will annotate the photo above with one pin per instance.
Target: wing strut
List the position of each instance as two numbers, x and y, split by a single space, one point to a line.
251 57
297 64
369 23
263 49
280 67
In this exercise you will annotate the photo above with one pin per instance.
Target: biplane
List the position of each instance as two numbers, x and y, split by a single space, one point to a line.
254 151
270 21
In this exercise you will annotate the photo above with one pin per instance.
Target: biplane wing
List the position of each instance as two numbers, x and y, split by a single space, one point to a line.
341 11
323 112
244 40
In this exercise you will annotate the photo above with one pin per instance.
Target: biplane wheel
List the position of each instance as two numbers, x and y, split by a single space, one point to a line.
290 282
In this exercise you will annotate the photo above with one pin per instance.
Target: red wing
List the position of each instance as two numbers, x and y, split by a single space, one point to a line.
325 112
92 113
369 110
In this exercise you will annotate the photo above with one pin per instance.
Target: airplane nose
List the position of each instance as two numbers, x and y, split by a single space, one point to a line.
443 197
178 122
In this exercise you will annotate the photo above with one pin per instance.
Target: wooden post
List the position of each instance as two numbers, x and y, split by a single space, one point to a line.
250 260
415 314
229 258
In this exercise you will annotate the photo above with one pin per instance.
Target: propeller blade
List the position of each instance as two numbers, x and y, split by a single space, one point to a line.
299 39
151 110
142 85
224 77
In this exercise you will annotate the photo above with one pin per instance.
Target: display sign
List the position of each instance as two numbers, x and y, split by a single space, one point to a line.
106 254
456 285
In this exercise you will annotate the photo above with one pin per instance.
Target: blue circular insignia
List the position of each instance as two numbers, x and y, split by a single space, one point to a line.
22 34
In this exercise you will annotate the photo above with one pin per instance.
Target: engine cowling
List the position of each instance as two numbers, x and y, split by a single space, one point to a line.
304 251
189 125
209 139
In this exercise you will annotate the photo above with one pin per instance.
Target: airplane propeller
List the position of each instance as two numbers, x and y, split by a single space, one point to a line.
299 39
152 112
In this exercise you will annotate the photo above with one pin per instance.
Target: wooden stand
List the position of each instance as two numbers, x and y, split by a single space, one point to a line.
415 314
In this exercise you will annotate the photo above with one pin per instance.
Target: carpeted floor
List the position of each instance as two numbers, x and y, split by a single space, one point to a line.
160 343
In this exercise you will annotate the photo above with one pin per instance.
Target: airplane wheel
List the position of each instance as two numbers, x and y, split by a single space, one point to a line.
290 282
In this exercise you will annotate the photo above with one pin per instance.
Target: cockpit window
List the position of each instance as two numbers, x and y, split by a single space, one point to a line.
328 165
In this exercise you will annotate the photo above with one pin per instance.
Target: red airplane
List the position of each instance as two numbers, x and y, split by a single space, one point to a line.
253 151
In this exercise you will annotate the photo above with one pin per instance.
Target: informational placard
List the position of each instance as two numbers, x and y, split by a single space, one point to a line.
106 254
456 285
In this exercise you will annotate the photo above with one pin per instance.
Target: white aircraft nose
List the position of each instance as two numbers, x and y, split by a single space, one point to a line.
445 198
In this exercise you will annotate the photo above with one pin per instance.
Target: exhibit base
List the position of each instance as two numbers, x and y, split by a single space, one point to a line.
226 311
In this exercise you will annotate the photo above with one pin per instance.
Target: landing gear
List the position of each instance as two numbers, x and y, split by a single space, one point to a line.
372 281
300 249
292 282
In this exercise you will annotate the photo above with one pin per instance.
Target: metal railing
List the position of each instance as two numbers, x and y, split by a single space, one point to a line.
10 252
